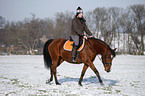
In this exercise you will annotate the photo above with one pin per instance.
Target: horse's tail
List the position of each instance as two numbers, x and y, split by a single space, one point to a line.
46 55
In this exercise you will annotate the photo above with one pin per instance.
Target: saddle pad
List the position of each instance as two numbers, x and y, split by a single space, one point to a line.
68 45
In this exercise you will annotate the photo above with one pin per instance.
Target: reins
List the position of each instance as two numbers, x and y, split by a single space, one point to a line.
98 56
107 57
91 46
93 49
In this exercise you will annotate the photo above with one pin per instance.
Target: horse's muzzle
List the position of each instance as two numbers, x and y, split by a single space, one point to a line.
108 70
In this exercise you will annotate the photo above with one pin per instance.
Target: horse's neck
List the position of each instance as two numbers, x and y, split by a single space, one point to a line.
98 46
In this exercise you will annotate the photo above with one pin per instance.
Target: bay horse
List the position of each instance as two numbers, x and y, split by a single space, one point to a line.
54 55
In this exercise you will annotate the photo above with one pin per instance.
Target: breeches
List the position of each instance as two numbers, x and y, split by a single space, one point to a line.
75 38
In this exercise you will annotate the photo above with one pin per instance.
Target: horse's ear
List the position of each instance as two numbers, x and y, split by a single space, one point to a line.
115 49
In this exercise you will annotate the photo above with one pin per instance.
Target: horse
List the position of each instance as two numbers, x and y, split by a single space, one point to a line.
54 55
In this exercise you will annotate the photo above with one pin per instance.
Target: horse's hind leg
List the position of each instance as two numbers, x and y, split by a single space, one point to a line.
54 66
83 73
55 76
53 71
51 78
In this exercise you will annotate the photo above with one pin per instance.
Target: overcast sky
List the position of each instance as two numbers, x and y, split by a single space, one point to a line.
18 10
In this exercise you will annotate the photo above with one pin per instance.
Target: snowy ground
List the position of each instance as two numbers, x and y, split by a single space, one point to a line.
26 76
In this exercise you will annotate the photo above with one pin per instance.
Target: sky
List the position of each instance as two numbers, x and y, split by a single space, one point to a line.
18 10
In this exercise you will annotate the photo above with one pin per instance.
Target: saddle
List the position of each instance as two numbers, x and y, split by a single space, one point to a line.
68 45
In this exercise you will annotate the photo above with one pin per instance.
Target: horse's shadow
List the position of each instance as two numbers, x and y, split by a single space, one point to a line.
89 80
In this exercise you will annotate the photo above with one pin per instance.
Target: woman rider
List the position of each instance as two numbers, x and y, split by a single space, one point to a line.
77 31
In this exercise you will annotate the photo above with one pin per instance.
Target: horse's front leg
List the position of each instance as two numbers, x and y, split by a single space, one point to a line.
83 73
91 65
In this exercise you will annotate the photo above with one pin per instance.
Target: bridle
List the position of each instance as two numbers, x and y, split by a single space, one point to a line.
99 57
107 57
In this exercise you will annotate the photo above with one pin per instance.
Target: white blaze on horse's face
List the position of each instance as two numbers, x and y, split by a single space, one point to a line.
107 61
108 57
112 56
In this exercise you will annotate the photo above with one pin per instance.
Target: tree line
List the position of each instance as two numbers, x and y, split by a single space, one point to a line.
118 27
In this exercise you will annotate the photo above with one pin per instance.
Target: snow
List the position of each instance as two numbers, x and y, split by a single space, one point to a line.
22 75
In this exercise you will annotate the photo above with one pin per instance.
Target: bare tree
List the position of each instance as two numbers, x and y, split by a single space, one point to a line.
28 35
105 23
63 24
138 15
2 21
48 28
100 16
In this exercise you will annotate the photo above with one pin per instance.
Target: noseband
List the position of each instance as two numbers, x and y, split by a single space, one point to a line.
107 57
99 57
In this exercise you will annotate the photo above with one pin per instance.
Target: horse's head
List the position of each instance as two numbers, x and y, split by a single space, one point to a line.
107 58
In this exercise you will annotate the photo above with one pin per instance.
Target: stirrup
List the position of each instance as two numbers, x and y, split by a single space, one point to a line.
73 60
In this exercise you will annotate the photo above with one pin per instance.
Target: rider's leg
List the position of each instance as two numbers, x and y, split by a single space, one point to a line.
73 55
75 38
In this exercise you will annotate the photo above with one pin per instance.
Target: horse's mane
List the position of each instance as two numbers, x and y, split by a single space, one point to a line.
112 51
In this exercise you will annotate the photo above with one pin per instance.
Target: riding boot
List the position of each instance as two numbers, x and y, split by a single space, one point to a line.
74 51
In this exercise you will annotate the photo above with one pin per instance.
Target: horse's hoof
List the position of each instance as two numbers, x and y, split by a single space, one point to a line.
58 84
102 84
47 82
80 84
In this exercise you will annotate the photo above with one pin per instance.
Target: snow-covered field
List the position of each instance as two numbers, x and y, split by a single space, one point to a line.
26 76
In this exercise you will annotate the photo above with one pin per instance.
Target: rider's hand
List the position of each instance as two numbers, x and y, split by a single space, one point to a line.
91 36
85 37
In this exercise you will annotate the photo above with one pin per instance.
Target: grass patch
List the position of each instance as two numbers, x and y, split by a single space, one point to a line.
44 91
14 81
117 91
10 93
